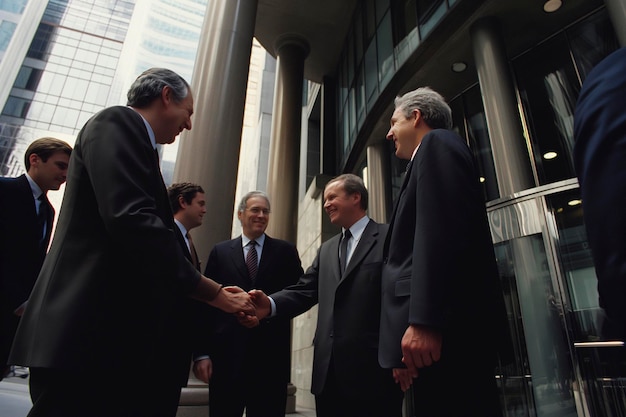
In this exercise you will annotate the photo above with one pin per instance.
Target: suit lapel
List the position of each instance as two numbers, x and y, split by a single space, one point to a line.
407 175
236 255
334 249
367 241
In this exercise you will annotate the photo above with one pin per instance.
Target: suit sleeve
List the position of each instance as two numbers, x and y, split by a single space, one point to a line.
301 296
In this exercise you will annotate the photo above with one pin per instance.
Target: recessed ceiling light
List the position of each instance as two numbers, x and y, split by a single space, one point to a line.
550 155
573 203
552 5
459 66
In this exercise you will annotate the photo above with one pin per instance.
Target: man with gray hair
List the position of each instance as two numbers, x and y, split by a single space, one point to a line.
248 368
110 293
442 312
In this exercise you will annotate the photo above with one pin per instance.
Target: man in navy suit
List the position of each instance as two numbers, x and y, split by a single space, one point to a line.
111 291
600 163
347 379
442 313
26 218
248 368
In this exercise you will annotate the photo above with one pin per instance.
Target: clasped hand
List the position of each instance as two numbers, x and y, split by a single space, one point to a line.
263 308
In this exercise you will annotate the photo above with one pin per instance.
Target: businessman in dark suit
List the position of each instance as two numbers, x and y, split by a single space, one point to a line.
443 312
26 218
249 368
109 295
347 379
600 162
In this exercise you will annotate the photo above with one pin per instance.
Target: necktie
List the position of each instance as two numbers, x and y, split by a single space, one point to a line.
343 250
193 253
42 216
252 260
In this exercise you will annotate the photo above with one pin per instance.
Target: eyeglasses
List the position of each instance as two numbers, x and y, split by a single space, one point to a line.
258 210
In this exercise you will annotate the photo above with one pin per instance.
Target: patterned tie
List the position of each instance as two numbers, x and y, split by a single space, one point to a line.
193 253
343 250
252 260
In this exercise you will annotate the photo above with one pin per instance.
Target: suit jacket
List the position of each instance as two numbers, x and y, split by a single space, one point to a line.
600 162
440 265
110 291
232 347
21 252
348 315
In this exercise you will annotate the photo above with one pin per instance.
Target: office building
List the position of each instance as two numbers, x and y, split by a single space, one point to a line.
511 71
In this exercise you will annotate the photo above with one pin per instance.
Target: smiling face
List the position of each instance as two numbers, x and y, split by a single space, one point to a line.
404 133
342 208
255 217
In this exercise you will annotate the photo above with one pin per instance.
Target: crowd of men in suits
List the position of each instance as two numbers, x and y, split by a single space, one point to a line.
402 309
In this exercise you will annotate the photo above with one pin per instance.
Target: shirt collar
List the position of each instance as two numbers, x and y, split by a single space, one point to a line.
182 228
148 128
259 241
357 228
36 190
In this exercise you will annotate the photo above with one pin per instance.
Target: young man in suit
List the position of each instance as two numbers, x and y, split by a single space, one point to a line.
248 368
600 162
26 218
347 379
442 310
109 295
188 204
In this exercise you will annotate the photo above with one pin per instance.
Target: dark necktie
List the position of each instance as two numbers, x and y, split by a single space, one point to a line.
343 250
42 216
193 253
252 260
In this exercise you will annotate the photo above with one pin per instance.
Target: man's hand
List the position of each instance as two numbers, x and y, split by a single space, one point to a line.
262 303
421 346
203 369
233 300
403 377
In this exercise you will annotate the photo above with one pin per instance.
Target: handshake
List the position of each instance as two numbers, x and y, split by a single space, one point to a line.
260 306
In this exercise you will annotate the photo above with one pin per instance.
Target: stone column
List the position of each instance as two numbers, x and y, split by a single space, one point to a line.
284 153
510 151
376 182
208 154
617 14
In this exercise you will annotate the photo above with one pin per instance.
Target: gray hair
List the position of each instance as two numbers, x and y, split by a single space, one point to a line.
150 83
434 109
248 196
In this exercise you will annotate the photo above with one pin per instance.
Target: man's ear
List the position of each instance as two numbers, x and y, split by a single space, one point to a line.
418 117
181 201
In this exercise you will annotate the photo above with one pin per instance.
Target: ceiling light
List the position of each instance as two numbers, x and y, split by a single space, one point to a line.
552 5
549 155
459 66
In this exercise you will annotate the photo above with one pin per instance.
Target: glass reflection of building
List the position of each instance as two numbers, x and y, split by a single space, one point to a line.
65 74
511 73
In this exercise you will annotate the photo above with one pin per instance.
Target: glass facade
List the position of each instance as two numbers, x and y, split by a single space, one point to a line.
544 260
67 74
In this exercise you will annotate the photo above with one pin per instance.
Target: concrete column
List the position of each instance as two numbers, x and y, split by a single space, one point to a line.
208 154
509 147
617 14
284 154
376 182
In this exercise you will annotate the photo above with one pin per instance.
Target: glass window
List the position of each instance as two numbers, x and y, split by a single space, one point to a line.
370 66
381 8
591 41
13 6
16 107
370 20
429 13
549 88
6 33
385 51
404 16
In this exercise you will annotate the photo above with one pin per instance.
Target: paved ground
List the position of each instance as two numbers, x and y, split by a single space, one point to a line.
14 397
15 400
